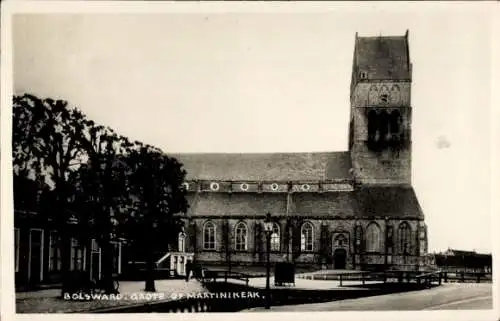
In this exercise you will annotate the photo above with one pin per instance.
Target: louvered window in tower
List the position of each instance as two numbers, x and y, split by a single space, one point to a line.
372 126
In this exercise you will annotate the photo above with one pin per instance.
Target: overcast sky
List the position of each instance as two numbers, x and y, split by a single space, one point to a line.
278 82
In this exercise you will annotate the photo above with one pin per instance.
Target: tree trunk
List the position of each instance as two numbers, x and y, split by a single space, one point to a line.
65 246
65 261
107 252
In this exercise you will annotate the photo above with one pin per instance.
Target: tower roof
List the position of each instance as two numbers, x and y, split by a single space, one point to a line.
382 57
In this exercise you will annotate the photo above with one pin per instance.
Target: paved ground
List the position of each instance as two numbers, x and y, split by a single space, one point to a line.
47 301
446 297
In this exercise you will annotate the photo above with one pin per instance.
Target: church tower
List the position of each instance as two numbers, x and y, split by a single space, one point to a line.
380 124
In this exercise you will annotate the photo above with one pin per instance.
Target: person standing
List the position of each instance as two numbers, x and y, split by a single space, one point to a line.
189 270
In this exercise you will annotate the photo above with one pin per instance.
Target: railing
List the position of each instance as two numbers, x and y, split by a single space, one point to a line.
160 263
429 278
466 277
435 277
214 276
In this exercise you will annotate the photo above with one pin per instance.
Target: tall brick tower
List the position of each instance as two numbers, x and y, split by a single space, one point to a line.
380 124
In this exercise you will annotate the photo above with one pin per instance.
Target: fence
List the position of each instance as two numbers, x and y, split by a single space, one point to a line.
435 277
214 276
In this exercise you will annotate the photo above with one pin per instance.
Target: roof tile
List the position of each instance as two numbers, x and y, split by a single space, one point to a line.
383 58
266 166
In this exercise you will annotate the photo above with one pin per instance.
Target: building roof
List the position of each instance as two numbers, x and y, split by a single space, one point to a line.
266 166
365 202
390 201
248 204
383 58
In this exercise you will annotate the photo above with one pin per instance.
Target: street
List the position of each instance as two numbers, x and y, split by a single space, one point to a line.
446 297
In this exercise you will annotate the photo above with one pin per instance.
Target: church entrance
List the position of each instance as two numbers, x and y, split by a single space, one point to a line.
339 259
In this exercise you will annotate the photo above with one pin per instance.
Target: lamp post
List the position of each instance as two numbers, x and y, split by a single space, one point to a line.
268 228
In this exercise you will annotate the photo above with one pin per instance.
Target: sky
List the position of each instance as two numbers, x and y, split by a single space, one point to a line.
278 82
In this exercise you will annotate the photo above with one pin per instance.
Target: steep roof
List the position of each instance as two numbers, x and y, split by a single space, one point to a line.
388 201
383 57
266 166
365 202
248 204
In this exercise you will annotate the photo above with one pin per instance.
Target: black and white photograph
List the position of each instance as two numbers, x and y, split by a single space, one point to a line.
248 158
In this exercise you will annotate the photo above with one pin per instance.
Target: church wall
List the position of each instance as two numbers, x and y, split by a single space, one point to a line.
256 250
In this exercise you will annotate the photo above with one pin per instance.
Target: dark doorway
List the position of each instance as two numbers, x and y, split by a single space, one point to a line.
339 259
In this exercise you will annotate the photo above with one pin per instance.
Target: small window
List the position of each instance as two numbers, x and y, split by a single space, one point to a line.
362 75
384 98
214 186
306 187
185 186
244 187
274 187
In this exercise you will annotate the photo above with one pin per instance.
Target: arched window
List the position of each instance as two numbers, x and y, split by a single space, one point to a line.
209 236
306 237
181 245
395 122
395 95
373 238
404 236
383 125
372 125
358 238
241 233
275 238
373 96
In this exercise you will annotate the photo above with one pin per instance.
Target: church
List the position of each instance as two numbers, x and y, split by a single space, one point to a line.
353 209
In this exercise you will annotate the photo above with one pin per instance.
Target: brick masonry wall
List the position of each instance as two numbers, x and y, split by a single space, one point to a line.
255 253
383 168
386 167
